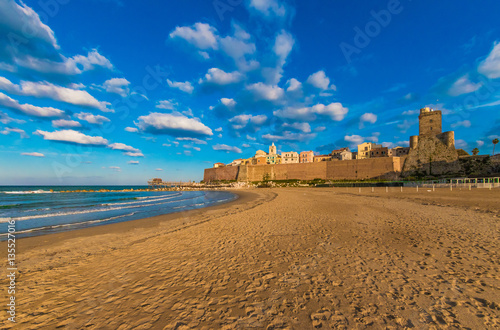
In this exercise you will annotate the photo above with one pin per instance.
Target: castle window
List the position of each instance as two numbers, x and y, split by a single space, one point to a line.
431 128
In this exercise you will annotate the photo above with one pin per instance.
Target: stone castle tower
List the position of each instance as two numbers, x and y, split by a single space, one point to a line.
432 152
272 149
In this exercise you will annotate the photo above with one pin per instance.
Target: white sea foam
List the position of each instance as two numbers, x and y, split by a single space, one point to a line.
39 216
30 192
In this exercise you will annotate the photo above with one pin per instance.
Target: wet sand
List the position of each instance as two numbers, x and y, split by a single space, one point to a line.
297 258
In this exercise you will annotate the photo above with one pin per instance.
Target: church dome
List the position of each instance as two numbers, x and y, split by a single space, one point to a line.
260 153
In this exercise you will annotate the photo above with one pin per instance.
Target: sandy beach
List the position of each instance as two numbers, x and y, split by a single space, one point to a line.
298 258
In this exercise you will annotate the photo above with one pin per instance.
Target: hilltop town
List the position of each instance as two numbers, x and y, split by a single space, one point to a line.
431 153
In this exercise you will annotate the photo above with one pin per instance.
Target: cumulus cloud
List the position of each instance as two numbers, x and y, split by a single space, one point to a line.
6 119
194 140
64 123
354 139
262 91
293 85
241 121
464 123
289 136
92 119
335 111
72 136
28 109
225 147
54 92
33 154
117 86
219 77
183 86
303 127
8 130
173 124
131 129
166 104
490 66
268 8
134 154
368 118
229 103
320 80
461 144
463 86
200 35
123 147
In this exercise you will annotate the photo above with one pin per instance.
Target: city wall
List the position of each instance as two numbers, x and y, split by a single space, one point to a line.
357 169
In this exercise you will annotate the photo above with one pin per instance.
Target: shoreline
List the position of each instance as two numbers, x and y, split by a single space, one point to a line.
45 240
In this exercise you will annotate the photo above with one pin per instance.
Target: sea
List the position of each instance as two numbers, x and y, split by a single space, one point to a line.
45 209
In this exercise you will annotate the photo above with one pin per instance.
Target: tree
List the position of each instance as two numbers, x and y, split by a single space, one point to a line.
475 151
495 141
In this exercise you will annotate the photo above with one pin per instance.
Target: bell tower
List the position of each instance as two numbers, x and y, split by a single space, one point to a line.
272 149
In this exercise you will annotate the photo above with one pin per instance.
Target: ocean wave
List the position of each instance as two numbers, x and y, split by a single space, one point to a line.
40 216
69 224
30 192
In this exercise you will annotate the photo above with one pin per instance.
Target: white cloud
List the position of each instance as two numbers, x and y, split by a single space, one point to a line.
123 147
115 168
8 130
490 66
289 136
293 85
173 124
283 45
335 111
183 86
268 8
229 103
262 91
117 86
219 77
64 123
131 129
166 104
225 147
92 119
245 145
28 109
133 162
159 169
241 121
54 92
194 140
320 80
461 144
463 86
369 118
479 143
33 154
134 154
410 112
354 139
69 66
304 127
6 119
464 123
251 138
200 35
218 129
72 136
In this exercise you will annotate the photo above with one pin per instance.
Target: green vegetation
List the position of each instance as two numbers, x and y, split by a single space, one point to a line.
475 151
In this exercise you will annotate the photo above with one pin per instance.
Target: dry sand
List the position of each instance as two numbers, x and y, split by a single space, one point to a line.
277 258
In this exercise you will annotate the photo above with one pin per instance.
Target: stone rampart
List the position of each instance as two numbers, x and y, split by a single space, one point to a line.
357 169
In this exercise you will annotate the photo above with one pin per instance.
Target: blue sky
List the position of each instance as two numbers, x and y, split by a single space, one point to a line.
117 92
